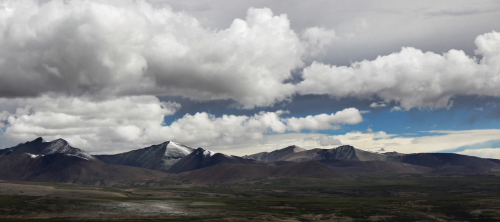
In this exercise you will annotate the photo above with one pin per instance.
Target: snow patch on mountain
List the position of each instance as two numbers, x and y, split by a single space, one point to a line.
176 149
81 157
33 156
208 153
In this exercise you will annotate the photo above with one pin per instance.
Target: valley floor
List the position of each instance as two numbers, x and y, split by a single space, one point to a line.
362 197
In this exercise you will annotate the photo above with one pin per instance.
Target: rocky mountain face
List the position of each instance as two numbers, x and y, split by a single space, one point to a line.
341 153
348 159
157 157
57 161
59 167
201 158
40 147
277 155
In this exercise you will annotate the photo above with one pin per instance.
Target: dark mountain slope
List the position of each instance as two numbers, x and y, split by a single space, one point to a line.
277 155
435 160
341 153
201 158
307 169
157 157
40 147
451 163
65 168
228 173
494 160
232 173
376 167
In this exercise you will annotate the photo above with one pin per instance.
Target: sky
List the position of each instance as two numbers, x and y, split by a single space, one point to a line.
247 76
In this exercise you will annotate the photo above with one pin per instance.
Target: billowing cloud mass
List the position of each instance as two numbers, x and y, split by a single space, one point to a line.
102 49
317 38
324 121
412 77
91 72
133 122
86 124
325 140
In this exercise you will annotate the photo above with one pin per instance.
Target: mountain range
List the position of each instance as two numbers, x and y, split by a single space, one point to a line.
157 157
58 161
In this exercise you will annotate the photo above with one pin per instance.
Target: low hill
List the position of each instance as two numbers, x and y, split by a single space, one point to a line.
307 169
376 167
232 173
439 160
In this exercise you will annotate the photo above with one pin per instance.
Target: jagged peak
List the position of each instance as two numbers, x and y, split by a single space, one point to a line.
59 141
293 148
38 140
164 143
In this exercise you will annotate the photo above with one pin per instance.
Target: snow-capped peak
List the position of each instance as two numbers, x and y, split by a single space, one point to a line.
57 146
62 146
174 148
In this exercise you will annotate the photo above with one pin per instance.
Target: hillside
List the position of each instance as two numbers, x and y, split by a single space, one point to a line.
232 173
65 168
201 158
157 157
40 147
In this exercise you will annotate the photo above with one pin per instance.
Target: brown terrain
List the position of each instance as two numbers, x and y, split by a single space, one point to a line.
232 173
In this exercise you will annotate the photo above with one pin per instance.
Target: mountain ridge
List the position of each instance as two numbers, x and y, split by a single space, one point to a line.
341 153
201 158
40 147
156 157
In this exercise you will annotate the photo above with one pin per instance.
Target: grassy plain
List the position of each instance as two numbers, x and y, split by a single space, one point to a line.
362 197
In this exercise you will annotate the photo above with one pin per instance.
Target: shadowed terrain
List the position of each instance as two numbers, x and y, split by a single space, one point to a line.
232 173
69 169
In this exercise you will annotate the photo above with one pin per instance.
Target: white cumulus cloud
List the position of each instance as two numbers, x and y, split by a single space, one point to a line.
325 121
133 122
203 129
412 77
92 125
317 38
110 48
